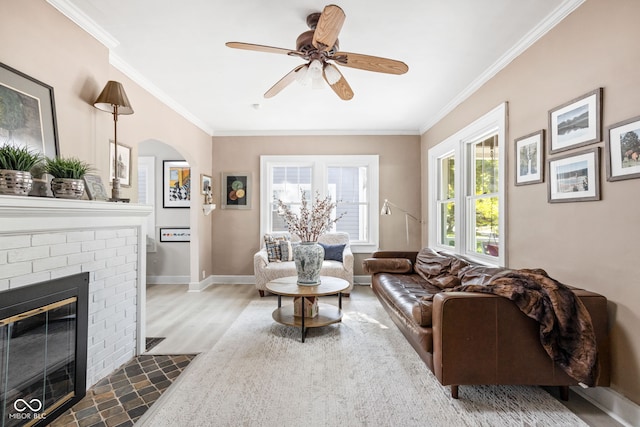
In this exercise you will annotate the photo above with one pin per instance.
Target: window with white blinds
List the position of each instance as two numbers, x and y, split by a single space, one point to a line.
351 181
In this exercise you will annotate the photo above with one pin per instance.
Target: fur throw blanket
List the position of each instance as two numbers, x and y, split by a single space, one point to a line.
566 331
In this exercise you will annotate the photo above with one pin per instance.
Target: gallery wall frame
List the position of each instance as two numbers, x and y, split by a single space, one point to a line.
576 123
37 130
622 146
574 177
95 187
176 184
124 167
175 234
529 150
206 182
236 190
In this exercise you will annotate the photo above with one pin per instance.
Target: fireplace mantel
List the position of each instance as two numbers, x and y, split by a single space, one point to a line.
37 214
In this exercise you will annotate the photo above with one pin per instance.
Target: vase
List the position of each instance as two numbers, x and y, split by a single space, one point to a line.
308 257
67 188
15 183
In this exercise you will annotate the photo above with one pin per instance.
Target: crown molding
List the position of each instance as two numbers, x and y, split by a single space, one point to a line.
553 19
83 21
317 132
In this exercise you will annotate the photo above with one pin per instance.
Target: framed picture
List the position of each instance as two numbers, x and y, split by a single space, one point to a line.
176 184
175 234
576 123
29 114
623 150
529 160
574 177
95 188
124 163
236 190
206 182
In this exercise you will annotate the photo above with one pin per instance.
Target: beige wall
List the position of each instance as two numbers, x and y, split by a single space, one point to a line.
42 43
590 244
236 233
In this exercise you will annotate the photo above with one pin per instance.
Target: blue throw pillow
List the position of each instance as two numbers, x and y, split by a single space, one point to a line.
333 252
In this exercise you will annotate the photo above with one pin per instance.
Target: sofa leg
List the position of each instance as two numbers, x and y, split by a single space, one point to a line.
261 292
564 392
454 391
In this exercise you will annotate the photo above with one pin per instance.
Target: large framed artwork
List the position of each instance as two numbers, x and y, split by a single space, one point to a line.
623 150
529 160
124 163
236 190
28 116
176 184
576 123
574 177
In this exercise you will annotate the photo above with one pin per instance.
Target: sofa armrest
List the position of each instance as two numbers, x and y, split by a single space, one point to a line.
347 258
260 260
410 255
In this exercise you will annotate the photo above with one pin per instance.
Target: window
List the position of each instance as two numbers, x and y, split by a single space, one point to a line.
351 181
467 196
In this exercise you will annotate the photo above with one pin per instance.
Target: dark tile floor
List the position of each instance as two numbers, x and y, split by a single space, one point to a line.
120 399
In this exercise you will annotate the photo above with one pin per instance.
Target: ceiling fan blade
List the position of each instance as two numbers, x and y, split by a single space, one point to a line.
328 27
261 48
341 87
370 63
283 82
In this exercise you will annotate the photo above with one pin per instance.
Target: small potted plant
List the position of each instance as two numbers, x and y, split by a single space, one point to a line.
67 182
15 166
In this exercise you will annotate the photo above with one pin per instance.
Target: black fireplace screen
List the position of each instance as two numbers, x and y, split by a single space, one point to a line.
42 350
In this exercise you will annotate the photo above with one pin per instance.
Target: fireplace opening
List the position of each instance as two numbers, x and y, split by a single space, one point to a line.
43 350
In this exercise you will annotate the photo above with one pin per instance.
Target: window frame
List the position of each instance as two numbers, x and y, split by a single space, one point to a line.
492 123
319 182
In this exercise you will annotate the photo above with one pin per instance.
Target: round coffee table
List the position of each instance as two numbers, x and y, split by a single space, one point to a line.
327 313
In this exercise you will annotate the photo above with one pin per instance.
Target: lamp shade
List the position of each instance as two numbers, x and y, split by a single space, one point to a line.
111 96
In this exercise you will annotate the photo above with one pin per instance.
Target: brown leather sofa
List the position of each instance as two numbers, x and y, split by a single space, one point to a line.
475 338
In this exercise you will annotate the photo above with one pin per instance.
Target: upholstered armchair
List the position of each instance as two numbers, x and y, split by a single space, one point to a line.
265 271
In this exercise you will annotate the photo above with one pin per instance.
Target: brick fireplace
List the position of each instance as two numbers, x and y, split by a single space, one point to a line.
43 239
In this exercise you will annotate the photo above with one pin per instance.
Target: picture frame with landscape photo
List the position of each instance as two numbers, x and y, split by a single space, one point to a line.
576 123
622 142
574 177
236 190
529 158
29 118
124 163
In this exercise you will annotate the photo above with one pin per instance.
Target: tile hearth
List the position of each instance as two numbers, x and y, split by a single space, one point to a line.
120 399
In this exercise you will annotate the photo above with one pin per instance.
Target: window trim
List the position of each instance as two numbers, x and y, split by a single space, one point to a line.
319 166
493 122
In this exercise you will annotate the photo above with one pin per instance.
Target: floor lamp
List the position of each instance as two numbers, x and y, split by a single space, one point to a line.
386 210
113 99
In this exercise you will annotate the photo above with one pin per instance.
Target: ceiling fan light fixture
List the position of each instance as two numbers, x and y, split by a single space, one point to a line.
332 74
315 69
302 75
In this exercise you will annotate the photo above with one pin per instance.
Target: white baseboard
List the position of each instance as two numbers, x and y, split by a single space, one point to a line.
362 280
201 285
612 403
167 280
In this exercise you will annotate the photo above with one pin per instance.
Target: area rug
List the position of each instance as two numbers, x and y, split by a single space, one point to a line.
360 372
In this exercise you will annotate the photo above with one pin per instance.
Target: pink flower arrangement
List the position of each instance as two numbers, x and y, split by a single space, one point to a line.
310 223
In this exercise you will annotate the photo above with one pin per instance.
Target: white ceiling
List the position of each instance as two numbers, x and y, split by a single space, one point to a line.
176 50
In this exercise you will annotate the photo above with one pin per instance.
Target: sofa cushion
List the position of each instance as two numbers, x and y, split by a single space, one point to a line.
333 252
387 265
272 244
286 250
423 310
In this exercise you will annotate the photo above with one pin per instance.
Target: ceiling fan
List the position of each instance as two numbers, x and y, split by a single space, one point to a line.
318 47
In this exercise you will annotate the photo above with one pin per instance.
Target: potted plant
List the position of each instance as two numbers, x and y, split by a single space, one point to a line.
15 165
67 182
309 224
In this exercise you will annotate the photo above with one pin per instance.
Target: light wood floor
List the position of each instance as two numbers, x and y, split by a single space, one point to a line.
193 322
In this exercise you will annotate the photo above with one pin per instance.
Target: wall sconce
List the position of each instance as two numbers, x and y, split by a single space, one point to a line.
386 210
113 99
